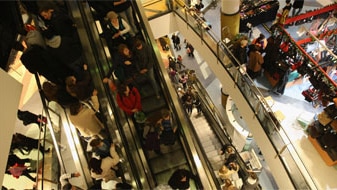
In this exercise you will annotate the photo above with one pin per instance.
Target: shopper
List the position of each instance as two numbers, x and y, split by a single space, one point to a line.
189 49
129 99
285 12
101 147
229 154
168 129
124 9
64 180
145 63
252 182
255 62
80 89
297 5
61 36
271 55
118 31
58 93
240 51
105 168
152 137
260 42
126 66
180 179
84 118
176 41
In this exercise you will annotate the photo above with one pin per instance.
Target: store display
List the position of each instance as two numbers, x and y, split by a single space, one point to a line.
257 12
294 57
323 134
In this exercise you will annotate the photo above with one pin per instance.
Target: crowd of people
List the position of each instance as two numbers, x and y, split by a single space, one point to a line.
68 82
53 50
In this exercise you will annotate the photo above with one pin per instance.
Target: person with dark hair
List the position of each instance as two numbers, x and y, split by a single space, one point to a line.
260 42
129 99
297 5
57 21
38 60
101 147
197 102
65 184
271 54
152 137
82 89
285 12
18 170
57 93
84 118
180 179
176 41
189 49
255 62
105 168
61 36
145 63
126 65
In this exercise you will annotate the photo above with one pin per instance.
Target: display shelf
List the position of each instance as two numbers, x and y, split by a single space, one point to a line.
325 156
311 14
257 13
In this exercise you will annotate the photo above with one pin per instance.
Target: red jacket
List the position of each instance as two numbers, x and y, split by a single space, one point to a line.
128 103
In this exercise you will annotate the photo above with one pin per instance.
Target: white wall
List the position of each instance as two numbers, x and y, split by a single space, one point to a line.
9 101
163 25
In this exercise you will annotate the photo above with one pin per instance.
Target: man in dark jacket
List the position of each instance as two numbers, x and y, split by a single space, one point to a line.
180 179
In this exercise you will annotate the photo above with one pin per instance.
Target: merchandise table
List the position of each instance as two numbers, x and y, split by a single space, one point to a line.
264 15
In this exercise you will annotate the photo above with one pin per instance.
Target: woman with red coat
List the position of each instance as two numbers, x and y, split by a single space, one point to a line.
128 99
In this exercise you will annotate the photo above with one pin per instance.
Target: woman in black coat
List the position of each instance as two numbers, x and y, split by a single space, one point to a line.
180 179
298 5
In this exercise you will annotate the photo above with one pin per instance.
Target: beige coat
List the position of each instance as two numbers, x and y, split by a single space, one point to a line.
106 165
86 122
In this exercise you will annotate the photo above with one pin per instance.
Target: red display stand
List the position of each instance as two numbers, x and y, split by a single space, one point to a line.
311 13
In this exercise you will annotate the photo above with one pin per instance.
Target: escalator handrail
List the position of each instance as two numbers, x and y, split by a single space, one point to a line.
256 92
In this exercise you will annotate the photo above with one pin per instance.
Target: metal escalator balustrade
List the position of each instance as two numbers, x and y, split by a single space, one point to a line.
124 130
235 81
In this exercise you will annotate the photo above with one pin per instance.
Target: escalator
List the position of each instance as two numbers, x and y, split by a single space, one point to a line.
187 152
152 169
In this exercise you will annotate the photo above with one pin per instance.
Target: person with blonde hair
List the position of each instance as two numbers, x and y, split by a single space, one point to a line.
118 30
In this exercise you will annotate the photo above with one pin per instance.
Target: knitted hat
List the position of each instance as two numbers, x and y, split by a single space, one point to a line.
140 117
54 42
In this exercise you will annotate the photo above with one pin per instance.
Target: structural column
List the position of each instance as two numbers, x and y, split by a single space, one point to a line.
230 18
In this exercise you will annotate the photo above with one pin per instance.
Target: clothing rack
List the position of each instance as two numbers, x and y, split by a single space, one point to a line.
311 13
